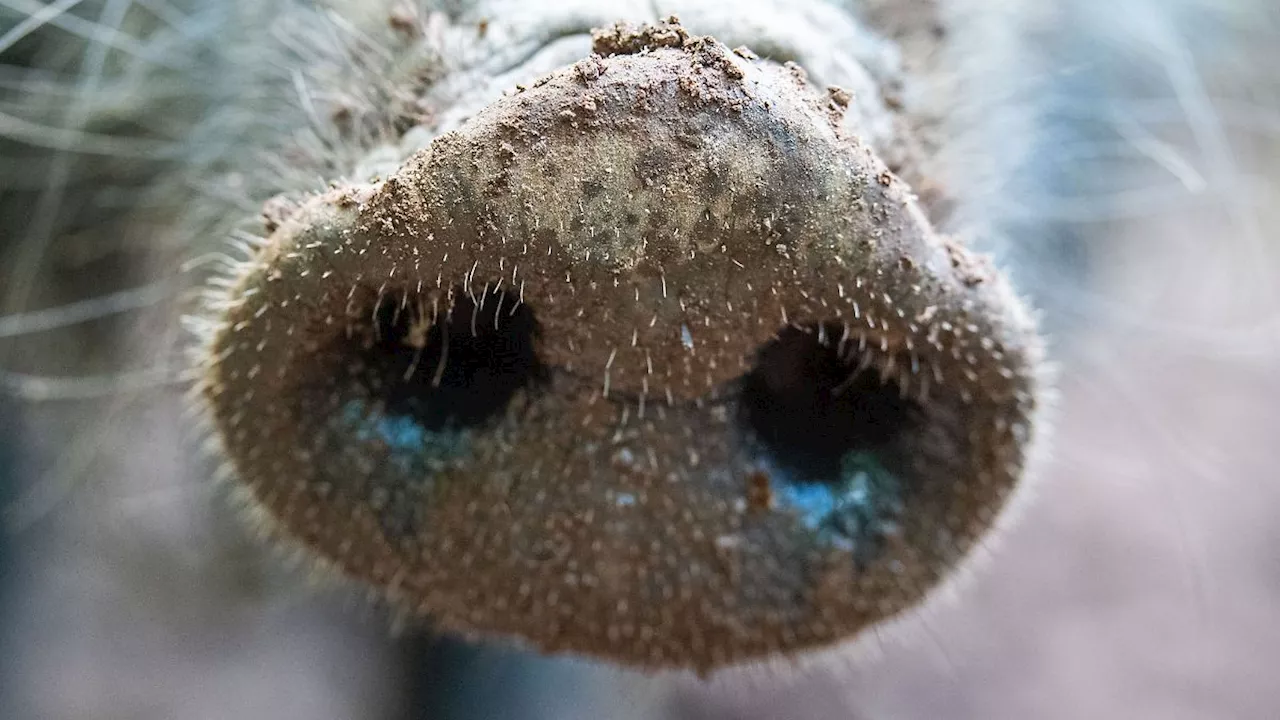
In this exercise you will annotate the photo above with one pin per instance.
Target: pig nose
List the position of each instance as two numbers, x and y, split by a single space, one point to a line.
650 361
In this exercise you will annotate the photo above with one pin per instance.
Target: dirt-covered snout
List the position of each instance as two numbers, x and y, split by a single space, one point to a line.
651 360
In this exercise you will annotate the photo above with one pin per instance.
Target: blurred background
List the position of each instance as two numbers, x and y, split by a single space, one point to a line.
1142 580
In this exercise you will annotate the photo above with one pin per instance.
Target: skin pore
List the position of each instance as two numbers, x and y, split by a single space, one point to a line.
338 167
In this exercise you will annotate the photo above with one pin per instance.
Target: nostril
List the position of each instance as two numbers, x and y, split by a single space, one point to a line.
810 400
450 368
409 383
825 420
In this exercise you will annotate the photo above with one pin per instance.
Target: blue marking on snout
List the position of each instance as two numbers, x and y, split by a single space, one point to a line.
852 512
411 447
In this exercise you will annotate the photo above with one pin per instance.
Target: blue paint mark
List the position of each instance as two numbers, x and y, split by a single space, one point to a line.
852 513
812 502
410 447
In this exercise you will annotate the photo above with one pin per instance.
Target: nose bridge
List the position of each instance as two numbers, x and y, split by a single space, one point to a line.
520 42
